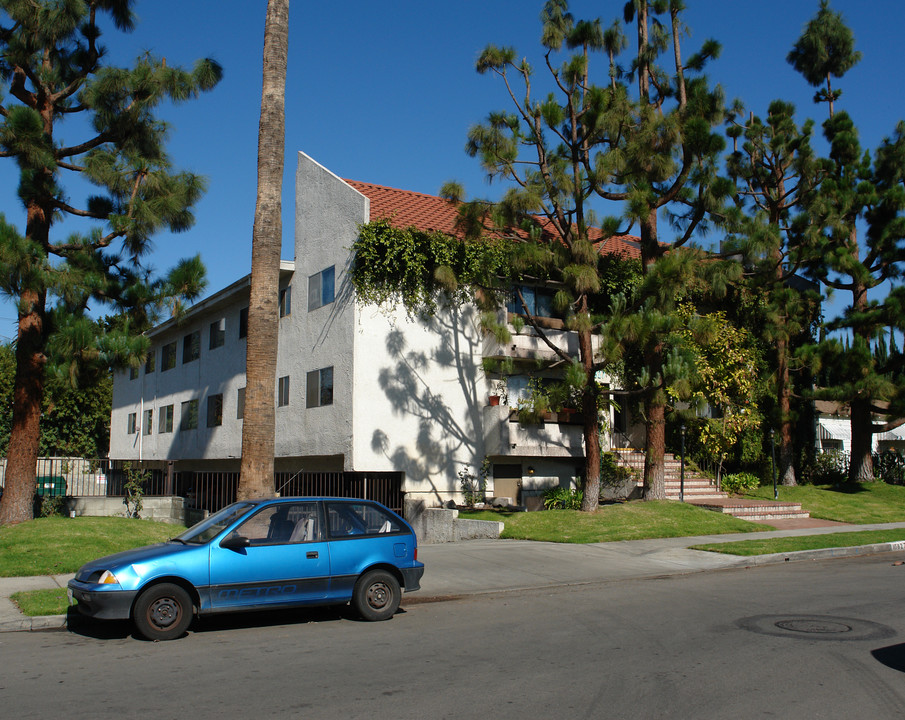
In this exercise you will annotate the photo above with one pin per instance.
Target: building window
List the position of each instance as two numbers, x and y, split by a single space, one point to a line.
133 373
149 420
283 391
150 361
165 420
243 322
214 410
168 357
320 289
320 388
285 301
131 421
537 302
240 404
188 418
218 334
191 347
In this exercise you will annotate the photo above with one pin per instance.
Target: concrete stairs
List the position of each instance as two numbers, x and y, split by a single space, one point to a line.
702 491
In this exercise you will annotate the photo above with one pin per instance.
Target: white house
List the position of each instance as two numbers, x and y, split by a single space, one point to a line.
359 388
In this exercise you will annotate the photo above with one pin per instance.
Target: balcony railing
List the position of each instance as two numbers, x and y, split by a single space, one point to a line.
555 435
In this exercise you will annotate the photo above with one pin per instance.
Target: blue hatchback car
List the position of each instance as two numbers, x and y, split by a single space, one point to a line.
257 555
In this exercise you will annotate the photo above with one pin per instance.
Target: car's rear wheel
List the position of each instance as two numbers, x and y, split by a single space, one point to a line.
163 612
376 595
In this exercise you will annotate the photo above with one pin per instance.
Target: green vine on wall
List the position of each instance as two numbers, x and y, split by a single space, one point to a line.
419 269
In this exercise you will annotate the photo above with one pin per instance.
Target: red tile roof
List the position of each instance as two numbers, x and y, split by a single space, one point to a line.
404 208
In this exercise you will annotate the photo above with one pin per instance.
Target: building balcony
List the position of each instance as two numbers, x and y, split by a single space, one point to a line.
557 435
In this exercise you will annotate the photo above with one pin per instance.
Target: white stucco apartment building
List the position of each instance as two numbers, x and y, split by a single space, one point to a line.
359 388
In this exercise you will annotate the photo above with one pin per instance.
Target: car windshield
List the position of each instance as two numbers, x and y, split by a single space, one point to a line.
214 524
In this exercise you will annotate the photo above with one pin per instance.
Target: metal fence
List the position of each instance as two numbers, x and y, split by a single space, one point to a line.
79 477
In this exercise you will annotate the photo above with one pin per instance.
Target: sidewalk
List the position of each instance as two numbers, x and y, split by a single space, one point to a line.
488 566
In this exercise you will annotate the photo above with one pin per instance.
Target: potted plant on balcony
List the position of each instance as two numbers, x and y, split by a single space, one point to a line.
500 393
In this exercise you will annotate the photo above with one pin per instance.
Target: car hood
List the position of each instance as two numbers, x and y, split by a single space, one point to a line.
131 557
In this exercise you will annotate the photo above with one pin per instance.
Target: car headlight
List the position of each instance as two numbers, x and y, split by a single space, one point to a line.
107 578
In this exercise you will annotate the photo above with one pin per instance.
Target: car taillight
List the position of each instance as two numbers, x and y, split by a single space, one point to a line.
416 554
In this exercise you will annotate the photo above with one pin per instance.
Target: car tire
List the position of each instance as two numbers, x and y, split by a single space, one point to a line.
376 595
163 612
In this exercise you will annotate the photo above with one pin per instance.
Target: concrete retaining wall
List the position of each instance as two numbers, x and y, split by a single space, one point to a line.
162 509
441 525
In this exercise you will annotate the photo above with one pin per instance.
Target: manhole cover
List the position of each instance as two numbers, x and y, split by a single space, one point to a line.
815 627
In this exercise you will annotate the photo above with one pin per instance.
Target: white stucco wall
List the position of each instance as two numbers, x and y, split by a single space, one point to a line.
420 392
217 371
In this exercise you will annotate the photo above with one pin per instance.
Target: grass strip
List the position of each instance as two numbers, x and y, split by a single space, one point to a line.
769 546
42 602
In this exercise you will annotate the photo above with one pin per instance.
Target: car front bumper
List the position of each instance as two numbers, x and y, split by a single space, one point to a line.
103 604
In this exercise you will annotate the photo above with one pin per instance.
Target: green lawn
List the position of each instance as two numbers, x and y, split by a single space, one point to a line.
860 504
620 521
55 545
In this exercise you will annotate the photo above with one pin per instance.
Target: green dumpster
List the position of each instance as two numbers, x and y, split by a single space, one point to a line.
51 485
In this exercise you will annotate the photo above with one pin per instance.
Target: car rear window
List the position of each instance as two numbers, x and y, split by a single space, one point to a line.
351 519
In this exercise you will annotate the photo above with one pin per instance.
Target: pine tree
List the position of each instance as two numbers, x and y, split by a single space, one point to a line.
776 170
667 162
854 188
51 64
588 143
826 48
857 188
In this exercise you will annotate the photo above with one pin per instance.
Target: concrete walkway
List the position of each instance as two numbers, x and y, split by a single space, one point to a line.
490 566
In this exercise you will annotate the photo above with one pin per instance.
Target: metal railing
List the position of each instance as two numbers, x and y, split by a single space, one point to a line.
80 477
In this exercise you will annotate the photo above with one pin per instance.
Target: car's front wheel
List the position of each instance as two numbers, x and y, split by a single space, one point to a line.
163 612
376 595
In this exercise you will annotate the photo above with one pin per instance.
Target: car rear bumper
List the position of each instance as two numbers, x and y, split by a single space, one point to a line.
411 577
102 604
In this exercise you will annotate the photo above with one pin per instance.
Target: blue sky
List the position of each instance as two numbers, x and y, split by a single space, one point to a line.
385 93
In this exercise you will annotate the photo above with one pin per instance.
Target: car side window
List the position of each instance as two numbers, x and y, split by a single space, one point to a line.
281 524
357 519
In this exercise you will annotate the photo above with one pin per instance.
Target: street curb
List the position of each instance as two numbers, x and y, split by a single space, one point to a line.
823 553
59 622
38 622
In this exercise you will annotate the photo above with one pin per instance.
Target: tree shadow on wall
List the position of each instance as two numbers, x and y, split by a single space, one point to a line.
435 390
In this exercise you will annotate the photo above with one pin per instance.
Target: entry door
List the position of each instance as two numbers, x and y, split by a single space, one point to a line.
507 481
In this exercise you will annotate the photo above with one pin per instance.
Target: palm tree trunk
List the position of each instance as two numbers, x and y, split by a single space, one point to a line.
258 426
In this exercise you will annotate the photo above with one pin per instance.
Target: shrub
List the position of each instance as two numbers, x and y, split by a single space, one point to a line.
612 473
474 487
740 482
560 498
133 489
51 505
889 466
827 468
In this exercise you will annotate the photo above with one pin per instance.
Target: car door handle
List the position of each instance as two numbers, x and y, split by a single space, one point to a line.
311 555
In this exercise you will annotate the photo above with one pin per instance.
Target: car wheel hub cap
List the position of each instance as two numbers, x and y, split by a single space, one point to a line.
163 612
378 595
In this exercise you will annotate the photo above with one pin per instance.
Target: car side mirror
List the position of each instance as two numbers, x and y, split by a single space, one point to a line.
235 542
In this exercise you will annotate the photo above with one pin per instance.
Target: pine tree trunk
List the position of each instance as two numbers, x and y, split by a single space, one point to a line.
861 467
654 463
591 491
258 429
784 392
28 392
